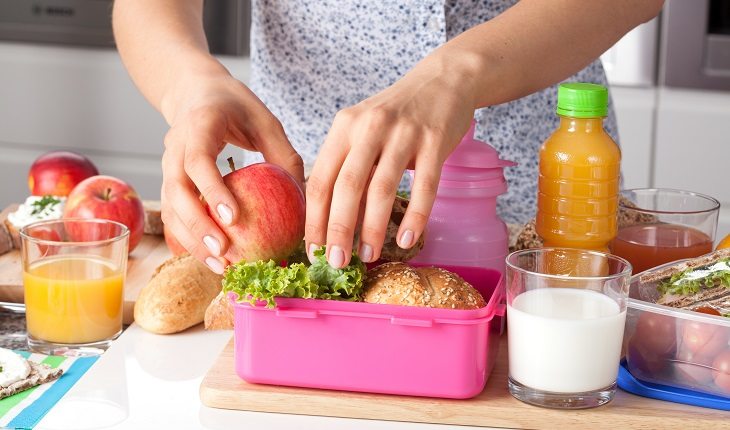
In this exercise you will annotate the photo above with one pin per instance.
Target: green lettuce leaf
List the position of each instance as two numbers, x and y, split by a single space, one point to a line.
342 284
264 280
685 284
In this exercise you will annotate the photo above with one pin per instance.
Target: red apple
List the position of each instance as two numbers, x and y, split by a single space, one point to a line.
271 207
58 172
108 198
172 244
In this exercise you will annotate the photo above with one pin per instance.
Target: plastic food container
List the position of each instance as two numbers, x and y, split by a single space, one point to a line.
676 347
368 347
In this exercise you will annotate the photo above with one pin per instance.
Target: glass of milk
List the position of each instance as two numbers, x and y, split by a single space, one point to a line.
566 310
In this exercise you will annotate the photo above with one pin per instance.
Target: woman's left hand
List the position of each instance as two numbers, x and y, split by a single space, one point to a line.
416 123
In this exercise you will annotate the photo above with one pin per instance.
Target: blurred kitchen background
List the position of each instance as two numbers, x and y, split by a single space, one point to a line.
63 86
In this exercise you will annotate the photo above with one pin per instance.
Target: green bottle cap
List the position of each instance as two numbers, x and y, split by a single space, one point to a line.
582 100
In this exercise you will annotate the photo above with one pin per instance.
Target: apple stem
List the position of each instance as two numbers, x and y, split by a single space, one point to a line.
231 164
108 194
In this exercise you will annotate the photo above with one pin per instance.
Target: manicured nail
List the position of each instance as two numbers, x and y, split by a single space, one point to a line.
310 252
336 258
213 245
225 213
366 253
215 265
406 239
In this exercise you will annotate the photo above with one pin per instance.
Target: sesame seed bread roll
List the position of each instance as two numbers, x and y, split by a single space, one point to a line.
433 287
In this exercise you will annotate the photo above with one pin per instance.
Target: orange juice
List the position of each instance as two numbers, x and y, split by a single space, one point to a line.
73 299
579 173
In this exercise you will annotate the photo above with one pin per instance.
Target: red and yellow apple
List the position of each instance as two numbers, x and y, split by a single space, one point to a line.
271 208
58 172
172 243
109 198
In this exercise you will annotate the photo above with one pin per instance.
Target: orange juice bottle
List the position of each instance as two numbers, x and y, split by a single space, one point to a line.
579 173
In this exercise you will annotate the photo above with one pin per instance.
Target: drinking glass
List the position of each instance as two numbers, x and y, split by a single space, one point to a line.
565 331
73 277
657 226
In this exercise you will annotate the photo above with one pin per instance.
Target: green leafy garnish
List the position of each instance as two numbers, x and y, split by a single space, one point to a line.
684 284
41 205
265 280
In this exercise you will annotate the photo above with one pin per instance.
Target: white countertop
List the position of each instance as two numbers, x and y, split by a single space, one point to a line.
147 381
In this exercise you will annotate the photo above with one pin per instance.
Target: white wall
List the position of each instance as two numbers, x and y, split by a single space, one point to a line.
80 99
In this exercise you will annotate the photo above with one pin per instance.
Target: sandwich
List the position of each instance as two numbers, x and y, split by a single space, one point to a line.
18 374
698 284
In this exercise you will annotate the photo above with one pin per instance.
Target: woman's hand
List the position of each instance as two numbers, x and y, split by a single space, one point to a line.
416 123
205 113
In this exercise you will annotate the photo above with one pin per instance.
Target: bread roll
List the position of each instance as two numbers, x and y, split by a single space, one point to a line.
391 251
152 217
219 314
176 296
6 239
399 284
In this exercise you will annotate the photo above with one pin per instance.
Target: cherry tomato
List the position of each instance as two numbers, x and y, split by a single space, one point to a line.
655 335
695 371
702 340
643 364
721 372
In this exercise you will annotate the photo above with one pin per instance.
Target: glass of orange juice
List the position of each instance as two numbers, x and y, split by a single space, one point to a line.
658 225
73 276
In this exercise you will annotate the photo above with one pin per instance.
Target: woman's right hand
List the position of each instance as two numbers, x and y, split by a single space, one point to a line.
206 112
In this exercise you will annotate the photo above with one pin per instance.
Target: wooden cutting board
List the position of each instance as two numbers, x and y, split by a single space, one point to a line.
143 261
494 407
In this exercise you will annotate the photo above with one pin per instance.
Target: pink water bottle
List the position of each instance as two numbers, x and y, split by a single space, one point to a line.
464 228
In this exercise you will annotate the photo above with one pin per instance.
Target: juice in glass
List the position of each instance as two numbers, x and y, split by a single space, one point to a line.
661 225
73 299
647 246
73 276
579 173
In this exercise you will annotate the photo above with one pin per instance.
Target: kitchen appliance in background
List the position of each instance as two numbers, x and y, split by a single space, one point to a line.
695 44
88 23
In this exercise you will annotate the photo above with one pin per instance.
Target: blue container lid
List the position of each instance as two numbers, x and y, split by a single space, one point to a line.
627 382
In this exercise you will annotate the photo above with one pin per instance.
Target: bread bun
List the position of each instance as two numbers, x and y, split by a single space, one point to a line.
176 296
219 314
399 284
152 217
391 251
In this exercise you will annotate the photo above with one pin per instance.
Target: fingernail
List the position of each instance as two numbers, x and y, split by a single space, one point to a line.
366 253
225 213
310 253
215 265
213 245
406 239
336 258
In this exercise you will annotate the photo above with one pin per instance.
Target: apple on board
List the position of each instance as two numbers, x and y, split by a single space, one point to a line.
56 173
109 198
271 208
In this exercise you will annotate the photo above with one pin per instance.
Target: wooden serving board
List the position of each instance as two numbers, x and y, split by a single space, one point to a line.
143 261
494 407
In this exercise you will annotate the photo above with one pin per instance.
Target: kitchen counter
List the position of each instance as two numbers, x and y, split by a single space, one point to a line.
147 381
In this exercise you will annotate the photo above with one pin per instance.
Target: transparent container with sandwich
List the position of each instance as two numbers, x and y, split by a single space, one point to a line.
678 325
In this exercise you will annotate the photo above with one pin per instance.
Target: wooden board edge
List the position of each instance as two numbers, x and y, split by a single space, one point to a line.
275 399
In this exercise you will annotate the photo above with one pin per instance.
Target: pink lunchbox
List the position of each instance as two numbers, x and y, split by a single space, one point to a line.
374 348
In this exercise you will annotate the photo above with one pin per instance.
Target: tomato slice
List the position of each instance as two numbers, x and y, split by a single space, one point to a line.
708 310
